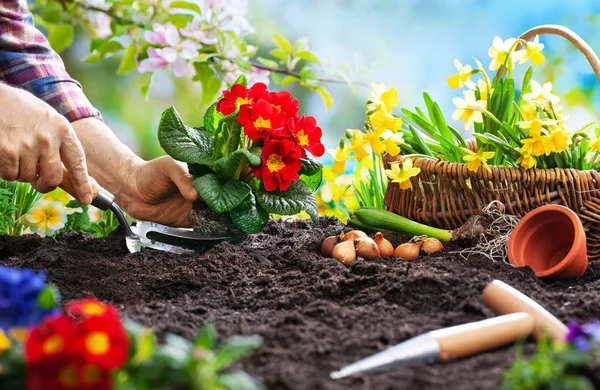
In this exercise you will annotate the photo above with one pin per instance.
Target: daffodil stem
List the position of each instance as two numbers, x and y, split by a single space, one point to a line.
492 117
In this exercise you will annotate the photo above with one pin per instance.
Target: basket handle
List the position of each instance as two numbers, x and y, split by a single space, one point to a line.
576 40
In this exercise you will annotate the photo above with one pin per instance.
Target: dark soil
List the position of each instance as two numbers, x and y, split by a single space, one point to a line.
315 314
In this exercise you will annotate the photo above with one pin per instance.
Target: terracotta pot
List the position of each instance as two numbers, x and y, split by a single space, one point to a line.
551 241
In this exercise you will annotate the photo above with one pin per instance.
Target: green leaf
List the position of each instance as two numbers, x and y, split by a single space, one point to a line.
230 167
326 96
186 5
184 143
301 44
310 166
296 198
248 216
52 13
49 297
268 63
280 54
313 181
180 20
61 37
127 63
238 380
228 136
287 80
236 348
207 337
146 84
103 50
212 118
308 56
282 43
220 196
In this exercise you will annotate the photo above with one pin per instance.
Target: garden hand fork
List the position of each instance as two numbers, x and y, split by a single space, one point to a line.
146 234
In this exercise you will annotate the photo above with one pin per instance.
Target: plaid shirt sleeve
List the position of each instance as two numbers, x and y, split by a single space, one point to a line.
27 61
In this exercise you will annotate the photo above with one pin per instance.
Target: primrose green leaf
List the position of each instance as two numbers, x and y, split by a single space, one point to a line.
229 166
248 216
127 63
308 56
186 5
212 118
238 380
279 54
181 142
268 63
61 37
227 138
282 43
310 166
143 342
296 198
313 181
176 347
207 337
49 297
236 348
221 196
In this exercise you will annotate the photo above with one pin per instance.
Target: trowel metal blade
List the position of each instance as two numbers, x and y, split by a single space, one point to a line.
165 238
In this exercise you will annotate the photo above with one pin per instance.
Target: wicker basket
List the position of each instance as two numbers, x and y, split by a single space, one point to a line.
446 194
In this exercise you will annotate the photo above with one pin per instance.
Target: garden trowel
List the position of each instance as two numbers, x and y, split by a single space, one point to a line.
146 234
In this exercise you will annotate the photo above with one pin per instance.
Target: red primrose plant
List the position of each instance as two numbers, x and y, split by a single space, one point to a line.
251 157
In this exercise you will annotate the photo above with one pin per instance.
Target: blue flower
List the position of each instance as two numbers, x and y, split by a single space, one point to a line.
19 293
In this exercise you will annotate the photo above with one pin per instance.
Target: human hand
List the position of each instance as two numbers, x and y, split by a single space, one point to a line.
35 142
159 190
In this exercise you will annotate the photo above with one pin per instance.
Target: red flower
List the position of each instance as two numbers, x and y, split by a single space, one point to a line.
283 101
307 134
102 341
241 96
280 166
261 119
90 307
50 340
66 374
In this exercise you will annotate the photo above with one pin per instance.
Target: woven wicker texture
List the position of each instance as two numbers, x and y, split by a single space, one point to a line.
446 194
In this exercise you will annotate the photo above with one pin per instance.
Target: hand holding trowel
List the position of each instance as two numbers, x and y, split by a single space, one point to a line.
145 234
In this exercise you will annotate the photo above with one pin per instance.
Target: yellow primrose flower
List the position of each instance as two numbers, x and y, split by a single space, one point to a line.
527 161
475 160
45 218
382 97
560 139
462 78
357 144
541 94
392 142
532 52
499 51
469 109
595 144
340 156
58 195
402 175
382 121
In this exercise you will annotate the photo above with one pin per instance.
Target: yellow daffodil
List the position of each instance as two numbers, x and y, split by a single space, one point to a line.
499 51
595 144
392 142
382 121
527 161
536 124
374 141
469 109
532 52
461 79
483 89
58 195
541 93
45 218
357 144
402 174
560 139
4 342
388 99
529 111
536 146
475 160
340 156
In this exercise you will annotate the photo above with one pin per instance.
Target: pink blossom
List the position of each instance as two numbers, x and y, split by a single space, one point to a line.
154 62
194 31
